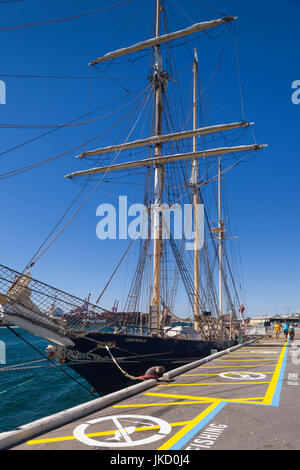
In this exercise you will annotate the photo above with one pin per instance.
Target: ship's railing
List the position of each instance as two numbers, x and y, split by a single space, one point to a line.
43 305
40 303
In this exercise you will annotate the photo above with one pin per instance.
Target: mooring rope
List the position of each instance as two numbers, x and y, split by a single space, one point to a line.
19 366
119 367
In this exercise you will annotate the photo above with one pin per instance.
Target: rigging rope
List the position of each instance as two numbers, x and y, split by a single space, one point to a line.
48 359
90 193
10 1
74 77
21 26
238 70
19 366
74 120
210 8
32 262
56 157
115 270
57 126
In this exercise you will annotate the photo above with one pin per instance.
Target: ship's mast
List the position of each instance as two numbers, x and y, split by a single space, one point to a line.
158 172
159 82
194 181
220 238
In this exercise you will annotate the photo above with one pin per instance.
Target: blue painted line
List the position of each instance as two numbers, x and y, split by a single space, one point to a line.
277 393
275 402
189 436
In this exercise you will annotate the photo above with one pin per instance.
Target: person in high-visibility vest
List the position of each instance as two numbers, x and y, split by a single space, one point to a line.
277 329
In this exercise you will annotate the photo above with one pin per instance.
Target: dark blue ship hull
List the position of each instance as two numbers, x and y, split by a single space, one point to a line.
134 354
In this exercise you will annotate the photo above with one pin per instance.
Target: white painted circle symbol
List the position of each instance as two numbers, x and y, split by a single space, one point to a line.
123 434
242 375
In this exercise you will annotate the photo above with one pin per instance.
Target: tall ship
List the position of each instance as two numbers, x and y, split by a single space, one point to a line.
180 240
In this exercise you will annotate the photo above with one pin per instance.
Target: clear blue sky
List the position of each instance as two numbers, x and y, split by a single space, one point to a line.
264 193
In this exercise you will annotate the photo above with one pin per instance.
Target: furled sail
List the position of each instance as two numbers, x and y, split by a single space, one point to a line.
195 28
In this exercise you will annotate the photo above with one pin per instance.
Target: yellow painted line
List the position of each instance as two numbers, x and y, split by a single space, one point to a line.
213 383
262 350
209 399
245 402
189 426
104 433
258 352
196 375
254 355
66 438
246 365
254 399
160 404
167 395
245 360
274 380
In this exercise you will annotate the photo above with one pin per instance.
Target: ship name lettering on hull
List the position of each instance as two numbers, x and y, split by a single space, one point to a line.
135 340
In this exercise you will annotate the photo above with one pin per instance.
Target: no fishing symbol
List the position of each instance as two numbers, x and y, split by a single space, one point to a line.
242 375
123 435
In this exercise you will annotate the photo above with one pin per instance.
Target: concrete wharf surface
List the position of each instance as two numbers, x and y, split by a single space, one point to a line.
246 399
